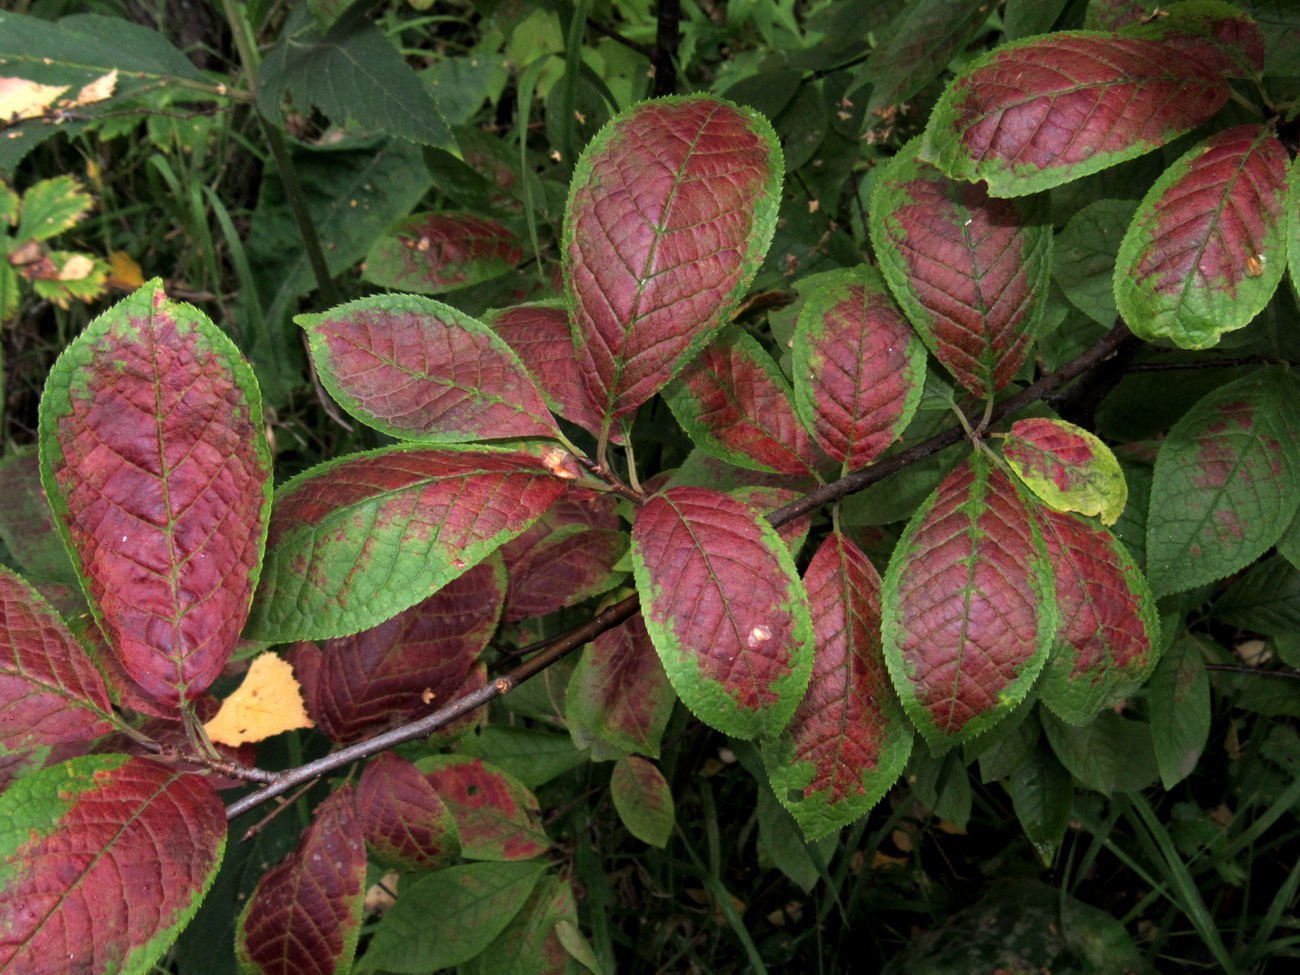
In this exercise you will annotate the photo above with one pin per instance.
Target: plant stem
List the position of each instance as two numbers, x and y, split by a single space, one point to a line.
623 610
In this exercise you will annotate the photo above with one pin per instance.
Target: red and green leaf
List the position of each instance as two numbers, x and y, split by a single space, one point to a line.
154 457
405 823
430 253
417 369
305 914
969 612
1226 484
725 609
1213 32
643 800
859 369
619 699
530 945
1068 468
497 818
1045 110
1208 246
357 540
50 692
734 403
848 741
103 860
672 207
571 564
540 336
405 667
971 272
1108 636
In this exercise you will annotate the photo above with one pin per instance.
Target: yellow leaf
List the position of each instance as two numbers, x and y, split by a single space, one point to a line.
268 702
125 273
20 98
99 89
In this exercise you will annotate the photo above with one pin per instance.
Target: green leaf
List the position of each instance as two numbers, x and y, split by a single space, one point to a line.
450 916
352 73
1042 794
643 800
1227 482
1179 699
1112 754
1266 599
52 206
531 755
531 943
1083 257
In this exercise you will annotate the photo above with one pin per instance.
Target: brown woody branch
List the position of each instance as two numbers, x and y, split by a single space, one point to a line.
612 616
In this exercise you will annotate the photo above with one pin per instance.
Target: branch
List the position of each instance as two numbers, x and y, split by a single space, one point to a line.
663 60
611 617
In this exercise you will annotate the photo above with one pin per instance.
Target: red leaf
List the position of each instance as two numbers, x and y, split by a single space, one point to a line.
436 252
50 692
1219 36
619 699
153 451
968 608
725 609
405 667
305 914
848 741
540 336
1207 247
733 402
672 207
405 823
1106 641
498 818
570 565
125 692
971 272
421 370
357 540
858 367
103 859
577 506
1046 110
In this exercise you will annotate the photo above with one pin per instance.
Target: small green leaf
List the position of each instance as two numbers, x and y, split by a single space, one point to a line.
643 800
51 207
1042 793
1179 698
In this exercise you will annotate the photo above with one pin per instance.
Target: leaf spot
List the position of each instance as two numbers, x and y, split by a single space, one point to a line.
757 636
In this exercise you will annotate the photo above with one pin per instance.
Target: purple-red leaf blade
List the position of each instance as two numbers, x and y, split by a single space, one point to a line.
672 207
154 456
103 859
405 823
496 817
725 609
1208 244
435 252
848 741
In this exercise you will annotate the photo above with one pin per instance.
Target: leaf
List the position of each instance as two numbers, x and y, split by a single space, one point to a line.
1045 110
406 825
530 943
51 207
619 699
1207 247
497 818
352 73
571 564
734 403
672 207
356 540
1083 257
22 99
970 272
1179 697
1067 467
421 370
27 527
1226 484
859 369
103 859
1213 32
1108 637
430 253
305 914
539 334
154 458
405 667
643 800
448 917
268 702
1110 754
1265 599
531 755
848 741
1042 794
725 609
968 610
50 692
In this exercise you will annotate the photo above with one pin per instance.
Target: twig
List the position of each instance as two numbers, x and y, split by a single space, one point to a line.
1254 671
663 60
623 610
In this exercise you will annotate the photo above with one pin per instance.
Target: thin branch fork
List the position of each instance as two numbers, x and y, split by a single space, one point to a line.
623 610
